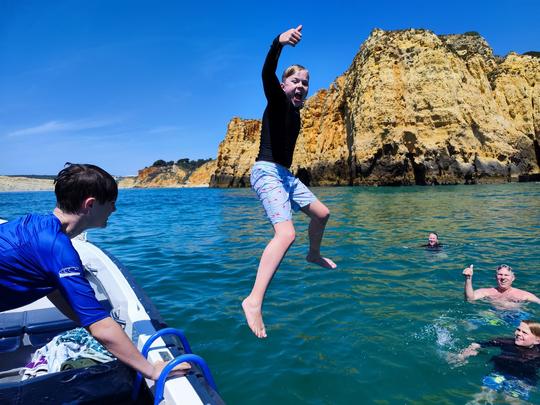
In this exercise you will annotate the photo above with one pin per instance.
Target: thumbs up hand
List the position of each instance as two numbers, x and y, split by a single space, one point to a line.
468 272
291 37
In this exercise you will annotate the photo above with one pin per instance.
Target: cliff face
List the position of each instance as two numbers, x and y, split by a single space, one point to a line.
237 153
424 108
413 108
170 176
201 176
160 176
322 150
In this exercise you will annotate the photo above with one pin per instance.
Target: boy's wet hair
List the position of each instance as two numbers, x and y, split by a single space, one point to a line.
76 182
533 326
291 70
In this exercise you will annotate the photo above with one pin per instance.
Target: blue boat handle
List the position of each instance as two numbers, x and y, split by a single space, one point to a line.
190 358
146 349
166 331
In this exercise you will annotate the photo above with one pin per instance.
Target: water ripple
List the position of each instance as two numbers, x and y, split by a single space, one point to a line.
377 329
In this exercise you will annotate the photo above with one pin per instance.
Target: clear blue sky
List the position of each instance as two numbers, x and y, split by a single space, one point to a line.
123 83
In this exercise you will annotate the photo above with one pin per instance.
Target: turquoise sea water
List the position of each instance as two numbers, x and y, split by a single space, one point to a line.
376 330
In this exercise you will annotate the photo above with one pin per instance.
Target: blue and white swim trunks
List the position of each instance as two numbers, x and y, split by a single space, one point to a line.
279 191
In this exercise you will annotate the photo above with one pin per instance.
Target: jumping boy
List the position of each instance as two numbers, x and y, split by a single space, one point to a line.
277 188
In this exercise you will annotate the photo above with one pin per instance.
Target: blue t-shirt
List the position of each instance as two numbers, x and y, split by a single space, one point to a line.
36 258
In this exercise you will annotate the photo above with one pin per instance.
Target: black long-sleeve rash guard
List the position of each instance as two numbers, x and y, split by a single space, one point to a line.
281 119
521 362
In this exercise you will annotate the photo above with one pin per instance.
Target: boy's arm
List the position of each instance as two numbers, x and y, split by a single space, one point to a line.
112 336
60 302
271 84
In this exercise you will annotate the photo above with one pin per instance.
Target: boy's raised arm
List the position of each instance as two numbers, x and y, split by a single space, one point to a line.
291 37
271 84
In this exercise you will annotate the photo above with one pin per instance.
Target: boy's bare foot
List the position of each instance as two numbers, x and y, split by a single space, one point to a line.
254 318
321 261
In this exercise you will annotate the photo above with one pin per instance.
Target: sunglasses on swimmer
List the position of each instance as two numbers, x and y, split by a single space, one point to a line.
504 266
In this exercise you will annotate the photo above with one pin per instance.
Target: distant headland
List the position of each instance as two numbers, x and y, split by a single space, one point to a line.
161 174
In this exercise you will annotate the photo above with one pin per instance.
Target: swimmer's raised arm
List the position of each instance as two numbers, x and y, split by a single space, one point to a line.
470 293
291 37
469 290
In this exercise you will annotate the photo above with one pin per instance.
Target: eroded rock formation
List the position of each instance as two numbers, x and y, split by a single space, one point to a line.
201 176
170 176
413 108
160 176
237 153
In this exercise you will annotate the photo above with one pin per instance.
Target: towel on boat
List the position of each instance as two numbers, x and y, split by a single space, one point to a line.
72 349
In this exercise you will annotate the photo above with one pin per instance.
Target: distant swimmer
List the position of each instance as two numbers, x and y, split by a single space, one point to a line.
433 241
278 189
502 296
515 368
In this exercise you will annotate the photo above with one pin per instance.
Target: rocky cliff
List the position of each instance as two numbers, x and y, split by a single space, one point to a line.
201 176
170 176
413 108
237 153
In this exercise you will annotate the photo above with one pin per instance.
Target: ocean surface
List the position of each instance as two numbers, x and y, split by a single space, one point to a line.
378 329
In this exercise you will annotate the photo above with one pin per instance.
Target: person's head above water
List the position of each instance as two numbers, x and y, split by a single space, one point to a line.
527 334
433 239
505 277
295 84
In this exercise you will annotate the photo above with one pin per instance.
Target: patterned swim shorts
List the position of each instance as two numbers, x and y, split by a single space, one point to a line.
279 191
509 385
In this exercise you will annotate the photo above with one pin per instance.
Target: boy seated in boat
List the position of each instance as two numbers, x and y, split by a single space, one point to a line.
37 259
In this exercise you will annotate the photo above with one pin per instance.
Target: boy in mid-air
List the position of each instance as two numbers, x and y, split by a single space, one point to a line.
277 188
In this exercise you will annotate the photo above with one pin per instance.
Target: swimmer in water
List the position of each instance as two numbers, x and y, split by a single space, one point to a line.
504 296
433 241
515 368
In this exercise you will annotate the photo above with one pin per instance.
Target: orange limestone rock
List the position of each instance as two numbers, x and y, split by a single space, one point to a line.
201 176
237 153
424 109
322 150
160 177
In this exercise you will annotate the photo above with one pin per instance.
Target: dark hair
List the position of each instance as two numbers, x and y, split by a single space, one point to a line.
76 182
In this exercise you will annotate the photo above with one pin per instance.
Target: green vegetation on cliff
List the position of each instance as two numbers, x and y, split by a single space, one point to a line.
185 164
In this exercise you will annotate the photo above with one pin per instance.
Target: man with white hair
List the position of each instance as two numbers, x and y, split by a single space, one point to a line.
504 294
